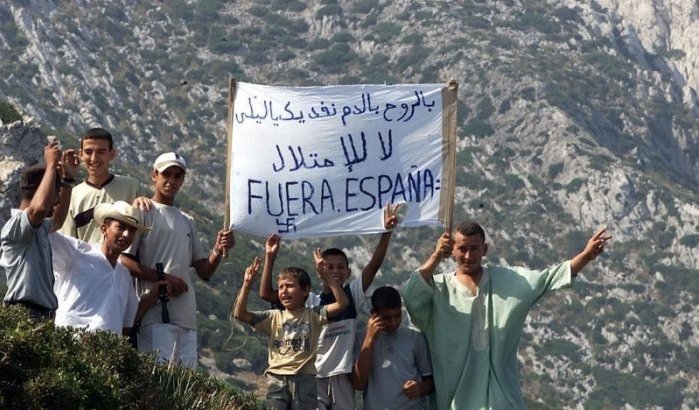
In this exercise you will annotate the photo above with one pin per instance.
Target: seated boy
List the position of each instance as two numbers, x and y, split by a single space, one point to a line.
393 365
293 333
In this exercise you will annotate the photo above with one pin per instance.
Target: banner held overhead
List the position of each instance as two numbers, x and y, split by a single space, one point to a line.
323 161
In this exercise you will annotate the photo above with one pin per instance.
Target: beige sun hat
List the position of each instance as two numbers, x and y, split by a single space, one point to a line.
120 211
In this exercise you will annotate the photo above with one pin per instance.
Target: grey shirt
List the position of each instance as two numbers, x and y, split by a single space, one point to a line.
25 253
397 358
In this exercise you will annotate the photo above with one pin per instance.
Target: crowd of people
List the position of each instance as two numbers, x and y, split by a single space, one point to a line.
98 255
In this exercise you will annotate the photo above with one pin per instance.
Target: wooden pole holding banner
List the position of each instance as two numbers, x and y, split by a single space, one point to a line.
449 126
229 159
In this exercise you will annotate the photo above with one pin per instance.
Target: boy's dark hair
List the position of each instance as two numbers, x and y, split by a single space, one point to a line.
470 228
29 181
335 252
98 134
385 297
299 274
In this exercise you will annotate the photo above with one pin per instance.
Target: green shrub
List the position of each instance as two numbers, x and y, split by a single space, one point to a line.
8 113
691 241
343 37
364 6
285 55
44 366
387 32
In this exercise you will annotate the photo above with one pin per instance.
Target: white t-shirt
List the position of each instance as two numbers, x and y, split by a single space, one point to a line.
91 293
336 342
174 241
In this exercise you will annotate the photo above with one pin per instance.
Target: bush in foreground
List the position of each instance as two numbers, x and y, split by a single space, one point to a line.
42 366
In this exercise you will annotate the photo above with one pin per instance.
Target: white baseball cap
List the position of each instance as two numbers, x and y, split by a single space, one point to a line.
169 159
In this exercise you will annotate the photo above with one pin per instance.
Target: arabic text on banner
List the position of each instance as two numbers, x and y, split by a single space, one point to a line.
323 161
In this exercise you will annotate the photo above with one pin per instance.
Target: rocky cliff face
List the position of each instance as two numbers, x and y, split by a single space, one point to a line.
573 115
21 145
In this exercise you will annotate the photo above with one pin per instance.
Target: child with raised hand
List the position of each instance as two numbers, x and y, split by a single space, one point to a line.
334 360
293 332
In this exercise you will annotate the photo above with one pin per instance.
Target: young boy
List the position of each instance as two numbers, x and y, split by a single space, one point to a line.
293 333
94 290
173 241
393 365
25 252
100 187
334 360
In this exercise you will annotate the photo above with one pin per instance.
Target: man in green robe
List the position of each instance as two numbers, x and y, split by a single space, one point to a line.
473 318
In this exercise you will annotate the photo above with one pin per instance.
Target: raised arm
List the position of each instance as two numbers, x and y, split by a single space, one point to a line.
390 221
341 301
206 267
362 367
594 247
267 291
240 311
441 250
69 168
45 196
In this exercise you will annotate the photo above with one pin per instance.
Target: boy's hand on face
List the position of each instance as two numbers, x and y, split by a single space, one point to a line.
251 272
272 244
390 216
374 327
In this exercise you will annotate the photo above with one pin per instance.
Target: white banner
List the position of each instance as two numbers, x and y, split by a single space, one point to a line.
323 161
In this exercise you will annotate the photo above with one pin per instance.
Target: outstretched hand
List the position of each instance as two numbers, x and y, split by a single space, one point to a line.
70 164
251 271
322 267
595 245
390 216
272 244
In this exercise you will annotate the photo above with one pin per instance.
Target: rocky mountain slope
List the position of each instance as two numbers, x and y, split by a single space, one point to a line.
572 115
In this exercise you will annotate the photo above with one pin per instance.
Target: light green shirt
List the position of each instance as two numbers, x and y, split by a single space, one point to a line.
473 340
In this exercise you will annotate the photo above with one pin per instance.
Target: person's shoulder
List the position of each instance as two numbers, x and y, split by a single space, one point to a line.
175 209
125 179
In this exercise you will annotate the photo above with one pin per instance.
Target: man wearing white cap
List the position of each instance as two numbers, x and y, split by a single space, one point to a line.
174 242
94 290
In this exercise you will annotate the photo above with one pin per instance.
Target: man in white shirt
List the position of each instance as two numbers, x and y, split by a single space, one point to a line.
94 289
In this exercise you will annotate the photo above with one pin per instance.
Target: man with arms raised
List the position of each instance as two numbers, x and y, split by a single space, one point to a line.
25 252
473 318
